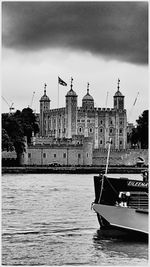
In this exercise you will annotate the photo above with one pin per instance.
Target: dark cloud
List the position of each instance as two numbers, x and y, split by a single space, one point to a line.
117 30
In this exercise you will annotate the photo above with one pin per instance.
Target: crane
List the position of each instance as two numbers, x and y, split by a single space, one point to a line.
130 112
10 106
32 100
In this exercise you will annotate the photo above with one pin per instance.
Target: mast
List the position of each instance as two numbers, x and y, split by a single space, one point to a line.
109 142
103 176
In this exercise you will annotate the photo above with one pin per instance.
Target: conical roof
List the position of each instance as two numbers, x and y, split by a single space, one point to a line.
118 93
45 97
87 97
71 92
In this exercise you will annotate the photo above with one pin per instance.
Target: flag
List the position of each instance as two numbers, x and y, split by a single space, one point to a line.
60 81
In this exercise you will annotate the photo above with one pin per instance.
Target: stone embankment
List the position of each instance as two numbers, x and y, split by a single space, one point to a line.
71 169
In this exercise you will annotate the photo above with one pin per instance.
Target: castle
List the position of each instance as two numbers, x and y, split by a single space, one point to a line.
99 124
78 136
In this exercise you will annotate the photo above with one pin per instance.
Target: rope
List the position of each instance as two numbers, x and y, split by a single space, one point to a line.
111 186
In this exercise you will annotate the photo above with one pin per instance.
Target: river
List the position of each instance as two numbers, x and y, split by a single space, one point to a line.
47 220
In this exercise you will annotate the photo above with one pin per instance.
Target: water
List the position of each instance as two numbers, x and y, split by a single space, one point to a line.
47 220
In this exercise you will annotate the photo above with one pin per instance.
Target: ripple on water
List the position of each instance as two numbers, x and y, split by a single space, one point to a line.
47 220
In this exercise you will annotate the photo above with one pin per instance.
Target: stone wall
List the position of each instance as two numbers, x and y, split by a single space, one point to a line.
49 155
124 157
62 153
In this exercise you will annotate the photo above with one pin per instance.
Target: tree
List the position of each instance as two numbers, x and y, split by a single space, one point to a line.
29 123
140 133
15 127
142 129
7 144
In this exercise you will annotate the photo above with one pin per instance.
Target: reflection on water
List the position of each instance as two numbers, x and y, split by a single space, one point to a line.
121 249
47 220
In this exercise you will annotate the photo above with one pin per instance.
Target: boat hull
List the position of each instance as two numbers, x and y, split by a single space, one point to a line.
125 219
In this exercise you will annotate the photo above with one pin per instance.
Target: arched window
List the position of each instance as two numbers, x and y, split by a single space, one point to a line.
120 131
91 130
80 129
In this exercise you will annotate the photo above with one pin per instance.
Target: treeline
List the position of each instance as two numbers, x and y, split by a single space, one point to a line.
139 135
15 127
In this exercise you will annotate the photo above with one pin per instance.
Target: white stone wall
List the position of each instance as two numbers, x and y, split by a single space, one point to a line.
78 155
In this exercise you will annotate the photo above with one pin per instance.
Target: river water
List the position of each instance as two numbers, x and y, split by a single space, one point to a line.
47 220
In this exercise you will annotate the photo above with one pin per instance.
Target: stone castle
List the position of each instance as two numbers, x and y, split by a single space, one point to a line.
78 136
71 135
99 124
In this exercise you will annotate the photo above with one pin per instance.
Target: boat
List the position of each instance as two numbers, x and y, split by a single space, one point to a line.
121 204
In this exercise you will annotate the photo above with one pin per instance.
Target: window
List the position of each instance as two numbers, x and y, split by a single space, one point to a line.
120 142
90 130
87 155
44 155
79 156
64 155
110 130
54 155
101 142
29 155
120 131
101 130
101 122
80 129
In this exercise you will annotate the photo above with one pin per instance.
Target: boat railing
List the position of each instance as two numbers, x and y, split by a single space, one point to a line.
138 200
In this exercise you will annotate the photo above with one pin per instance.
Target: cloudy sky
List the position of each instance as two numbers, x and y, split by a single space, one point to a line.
96 42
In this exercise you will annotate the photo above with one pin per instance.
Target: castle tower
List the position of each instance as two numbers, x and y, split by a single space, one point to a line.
44 106
118 99
71 112
121 120
87 100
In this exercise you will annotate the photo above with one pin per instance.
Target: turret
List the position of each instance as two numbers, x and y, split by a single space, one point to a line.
71 112
44 106
88 101
118 99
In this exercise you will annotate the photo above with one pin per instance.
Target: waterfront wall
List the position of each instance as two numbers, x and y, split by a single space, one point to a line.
35 156
67 154
124 157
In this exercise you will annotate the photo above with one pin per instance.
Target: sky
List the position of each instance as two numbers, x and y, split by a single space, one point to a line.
96 42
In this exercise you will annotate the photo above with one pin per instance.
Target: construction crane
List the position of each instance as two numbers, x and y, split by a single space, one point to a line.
130 112
10 106
32 100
